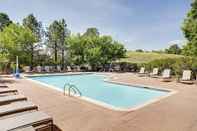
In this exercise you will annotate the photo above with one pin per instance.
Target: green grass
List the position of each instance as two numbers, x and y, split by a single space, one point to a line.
144 57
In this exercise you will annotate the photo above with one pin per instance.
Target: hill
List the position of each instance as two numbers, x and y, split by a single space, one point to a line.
144 57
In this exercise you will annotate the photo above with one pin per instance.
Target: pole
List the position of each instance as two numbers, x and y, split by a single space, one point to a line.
16 62
17 75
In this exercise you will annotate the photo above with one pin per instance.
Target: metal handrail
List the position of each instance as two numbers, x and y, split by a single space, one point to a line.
66 84
73 88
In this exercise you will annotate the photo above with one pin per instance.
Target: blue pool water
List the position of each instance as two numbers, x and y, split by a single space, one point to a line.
93 86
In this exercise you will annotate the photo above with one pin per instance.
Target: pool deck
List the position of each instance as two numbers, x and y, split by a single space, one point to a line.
174 113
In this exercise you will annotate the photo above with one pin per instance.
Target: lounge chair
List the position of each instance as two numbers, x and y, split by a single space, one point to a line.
166 75
3 86
142 73
46 68
59 68
51 69
110 69
16 107
11 98
8 90
38 69
37 120
28 128
78 68
69 69
155 73
117 68
186 77
89 68
27 69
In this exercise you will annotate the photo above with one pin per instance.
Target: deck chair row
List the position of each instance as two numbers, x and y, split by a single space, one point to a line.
49 69
19 114
166 75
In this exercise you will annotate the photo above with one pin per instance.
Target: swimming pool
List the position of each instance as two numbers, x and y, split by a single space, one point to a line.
94 88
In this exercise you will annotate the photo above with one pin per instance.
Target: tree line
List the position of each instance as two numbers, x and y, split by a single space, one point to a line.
55 45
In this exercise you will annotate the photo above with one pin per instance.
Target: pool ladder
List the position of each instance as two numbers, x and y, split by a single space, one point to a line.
71 88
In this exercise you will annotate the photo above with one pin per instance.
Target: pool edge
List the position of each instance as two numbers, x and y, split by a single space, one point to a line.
105 105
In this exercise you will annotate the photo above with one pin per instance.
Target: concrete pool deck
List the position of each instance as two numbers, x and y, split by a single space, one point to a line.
175 113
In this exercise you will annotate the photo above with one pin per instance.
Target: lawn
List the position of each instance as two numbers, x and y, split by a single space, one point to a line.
144 57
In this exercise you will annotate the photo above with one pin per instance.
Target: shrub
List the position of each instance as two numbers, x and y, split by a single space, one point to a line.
177 65
127 66
161 64
182 64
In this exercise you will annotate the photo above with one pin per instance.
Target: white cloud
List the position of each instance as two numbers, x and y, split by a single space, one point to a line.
179 42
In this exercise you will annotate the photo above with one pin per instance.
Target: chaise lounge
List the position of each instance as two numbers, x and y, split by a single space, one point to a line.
155 73
8 90
11 98
16 107
186 77
166 75
3 86
142 72
59 68
27 122
69 69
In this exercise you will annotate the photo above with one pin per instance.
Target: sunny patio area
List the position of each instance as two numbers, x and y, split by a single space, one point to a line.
174 113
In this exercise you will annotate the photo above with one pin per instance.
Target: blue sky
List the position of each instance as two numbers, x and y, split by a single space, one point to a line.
139 24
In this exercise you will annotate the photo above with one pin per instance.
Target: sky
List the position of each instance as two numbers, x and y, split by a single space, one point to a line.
138 24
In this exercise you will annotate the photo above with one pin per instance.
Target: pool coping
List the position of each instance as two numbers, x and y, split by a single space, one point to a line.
109 80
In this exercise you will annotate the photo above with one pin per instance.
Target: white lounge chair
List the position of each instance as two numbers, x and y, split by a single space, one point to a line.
27 69
186 77
155 73
142 72
117 68
166 75
78 69
89 68
39 69
69 69
59 68
46 68
51 68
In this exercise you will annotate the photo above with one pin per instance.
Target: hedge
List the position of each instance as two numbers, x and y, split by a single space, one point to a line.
177 65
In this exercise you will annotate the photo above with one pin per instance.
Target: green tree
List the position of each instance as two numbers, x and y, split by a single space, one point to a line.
95 50
14 39
173 49
35 27
4 21
79 46
188 49
77 49
63 35
57 35
139 50
93 56
91 32
190 30
110 50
